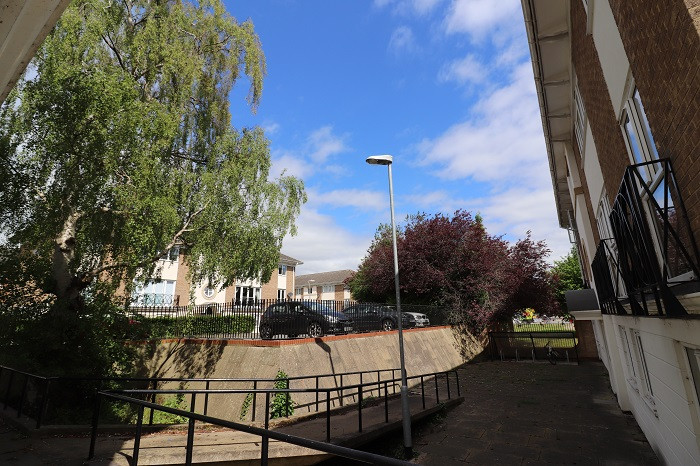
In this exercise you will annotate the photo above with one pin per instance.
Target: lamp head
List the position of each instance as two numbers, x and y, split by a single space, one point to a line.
380 159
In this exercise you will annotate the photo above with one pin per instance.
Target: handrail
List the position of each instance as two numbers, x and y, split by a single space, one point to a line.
265 434
120 394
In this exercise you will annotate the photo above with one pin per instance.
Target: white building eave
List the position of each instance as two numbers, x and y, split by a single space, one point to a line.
24 24
548 32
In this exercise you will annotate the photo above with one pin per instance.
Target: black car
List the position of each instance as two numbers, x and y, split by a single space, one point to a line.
294 318
367 316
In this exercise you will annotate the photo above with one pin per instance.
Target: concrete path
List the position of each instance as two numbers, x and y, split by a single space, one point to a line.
513 413
518 413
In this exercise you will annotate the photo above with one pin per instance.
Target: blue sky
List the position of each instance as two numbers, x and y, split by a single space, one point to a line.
445 86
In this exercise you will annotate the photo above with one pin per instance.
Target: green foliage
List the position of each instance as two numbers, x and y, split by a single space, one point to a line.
116 145
166 327
567 276
282 404
119 144
245 407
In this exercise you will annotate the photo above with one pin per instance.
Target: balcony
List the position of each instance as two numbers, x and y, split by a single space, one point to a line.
650 267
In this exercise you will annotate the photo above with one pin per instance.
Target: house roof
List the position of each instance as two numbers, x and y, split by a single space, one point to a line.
288 260
336 277
548 31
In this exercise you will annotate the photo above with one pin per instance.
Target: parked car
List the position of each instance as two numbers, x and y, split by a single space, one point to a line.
293 318
368 316
418 319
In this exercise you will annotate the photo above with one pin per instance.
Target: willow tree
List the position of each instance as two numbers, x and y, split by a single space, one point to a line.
118 144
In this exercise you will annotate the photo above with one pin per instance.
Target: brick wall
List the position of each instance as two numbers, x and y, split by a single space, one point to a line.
339 292
610 145
269 289
182 284
290 281
662 42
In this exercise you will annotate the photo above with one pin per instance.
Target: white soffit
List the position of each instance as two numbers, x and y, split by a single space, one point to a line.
547 24
23 27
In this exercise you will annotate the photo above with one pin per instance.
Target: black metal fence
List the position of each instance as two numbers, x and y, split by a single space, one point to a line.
70 400
139 399
653 255
243 321
524 346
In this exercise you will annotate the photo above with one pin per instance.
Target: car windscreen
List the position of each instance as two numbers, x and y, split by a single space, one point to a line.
320 308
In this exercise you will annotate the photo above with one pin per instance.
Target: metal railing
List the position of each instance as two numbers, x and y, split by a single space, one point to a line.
532 345
654 246
243 321
359 389
31 395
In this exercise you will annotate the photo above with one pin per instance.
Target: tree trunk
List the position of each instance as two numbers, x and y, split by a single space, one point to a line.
67 285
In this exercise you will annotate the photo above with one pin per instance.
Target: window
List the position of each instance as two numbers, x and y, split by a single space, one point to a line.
632 379
280 293
209 292
154 293
694 361
638 138
328 288
311 290
299 291
643 370
282 270
579 119
171 254
247 295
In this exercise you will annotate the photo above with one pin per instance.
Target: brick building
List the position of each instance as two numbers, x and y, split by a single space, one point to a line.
618 83
324 286
172 287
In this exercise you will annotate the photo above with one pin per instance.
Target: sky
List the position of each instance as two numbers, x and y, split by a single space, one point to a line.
444 86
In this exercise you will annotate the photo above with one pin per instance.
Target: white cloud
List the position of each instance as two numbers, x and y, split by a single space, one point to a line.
501 142
290 164
323 143
520 209
358 198
270 128
464 70
482 18
323 245
402 41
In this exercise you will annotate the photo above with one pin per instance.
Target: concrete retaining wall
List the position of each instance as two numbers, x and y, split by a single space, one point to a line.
426 350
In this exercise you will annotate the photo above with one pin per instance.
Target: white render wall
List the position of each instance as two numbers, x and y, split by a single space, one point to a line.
670 417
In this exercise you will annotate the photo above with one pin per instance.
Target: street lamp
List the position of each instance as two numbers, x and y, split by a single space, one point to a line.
406 412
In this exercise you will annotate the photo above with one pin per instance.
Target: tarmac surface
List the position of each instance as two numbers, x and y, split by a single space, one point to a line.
520 413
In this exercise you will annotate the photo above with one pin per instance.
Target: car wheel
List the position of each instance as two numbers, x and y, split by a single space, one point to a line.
388 324
315 330
265 332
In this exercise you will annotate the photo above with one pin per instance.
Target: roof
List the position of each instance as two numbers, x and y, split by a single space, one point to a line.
547 25
288 260
335 277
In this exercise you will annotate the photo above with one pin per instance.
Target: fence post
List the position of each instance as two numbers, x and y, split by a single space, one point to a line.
95 421
533 343
437 390
287 400
265 439
206 398
23 396
447 376
340 392
137 438
457 379
44 402
9 387
328 416
255 398
316 393
422 391
190 433
359 408
386 402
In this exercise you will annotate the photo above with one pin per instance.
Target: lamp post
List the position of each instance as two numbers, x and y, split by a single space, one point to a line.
405 411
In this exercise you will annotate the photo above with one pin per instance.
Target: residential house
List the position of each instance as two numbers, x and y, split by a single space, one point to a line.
618 83
324 286
172 287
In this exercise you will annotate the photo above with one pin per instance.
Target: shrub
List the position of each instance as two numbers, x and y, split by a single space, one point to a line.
281 404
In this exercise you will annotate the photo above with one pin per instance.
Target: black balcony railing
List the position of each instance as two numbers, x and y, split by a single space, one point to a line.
654 253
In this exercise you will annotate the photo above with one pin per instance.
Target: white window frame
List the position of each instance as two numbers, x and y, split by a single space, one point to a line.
645 390
693 375
635 127
209 292
282 270
281 293
627 350
328 289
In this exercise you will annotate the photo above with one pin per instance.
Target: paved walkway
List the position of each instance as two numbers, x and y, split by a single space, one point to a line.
513 413
534 413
